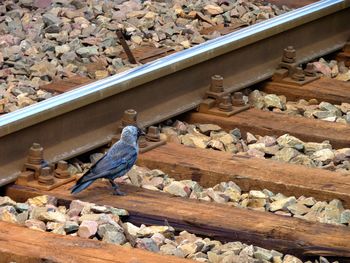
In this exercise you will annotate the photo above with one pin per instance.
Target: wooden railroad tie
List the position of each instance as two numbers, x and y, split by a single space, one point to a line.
209 168
271 123
21 244
324 89
286 234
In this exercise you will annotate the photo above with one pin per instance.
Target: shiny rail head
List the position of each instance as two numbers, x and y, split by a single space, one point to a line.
107 87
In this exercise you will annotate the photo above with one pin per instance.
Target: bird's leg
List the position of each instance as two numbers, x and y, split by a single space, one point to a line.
116 190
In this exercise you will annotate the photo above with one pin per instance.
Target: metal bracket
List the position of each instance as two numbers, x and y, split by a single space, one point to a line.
37 173
219 102
290 73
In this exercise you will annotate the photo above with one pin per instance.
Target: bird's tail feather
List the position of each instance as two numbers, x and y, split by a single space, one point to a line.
80 186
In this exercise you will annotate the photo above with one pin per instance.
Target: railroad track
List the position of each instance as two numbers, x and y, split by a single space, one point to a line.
168 87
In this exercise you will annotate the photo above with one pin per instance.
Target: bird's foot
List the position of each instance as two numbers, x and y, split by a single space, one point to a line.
116 191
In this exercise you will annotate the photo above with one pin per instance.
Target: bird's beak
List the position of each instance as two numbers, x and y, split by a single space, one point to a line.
141 132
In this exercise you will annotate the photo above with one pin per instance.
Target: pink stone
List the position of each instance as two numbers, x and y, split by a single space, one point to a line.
74 212
256 153
157 182
77 205
324 69
87 229
35 224
42 3
9 40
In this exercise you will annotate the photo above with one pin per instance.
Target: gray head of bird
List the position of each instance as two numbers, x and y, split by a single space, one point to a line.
130 134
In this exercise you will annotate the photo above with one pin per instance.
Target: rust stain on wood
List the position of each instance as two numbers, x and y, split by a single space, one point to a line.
61 86
146 54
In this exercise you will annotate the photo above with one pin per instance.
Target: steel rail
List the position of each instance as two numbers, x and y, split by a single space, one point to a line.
82 119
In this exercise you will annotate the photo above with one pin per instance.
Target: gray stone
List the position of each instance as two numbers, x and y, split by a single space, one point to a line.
86 52
70 227
90 217
214 257
273 101
236 132
51 19
257 146
207 128
43 69
251 138
256 99
114 237
195 140
303 160
330 107
345 107
5 200
8 214
331 214
118 211
286 154
148 244
215 196
323 260
298 209
337 203
282 204
324 155
275 253
78 205
291 259
310 201
319 114
268 141
189 248
36 212
216 145
319 206
247 251
168 249
22 217
345 217
262 254
287 140
104 228
52 216
99 209
311 147
200 256
176 188
144 231
257 194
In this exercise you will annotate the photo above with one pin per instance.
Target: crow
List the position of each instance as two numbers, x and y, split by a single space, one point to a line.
115 163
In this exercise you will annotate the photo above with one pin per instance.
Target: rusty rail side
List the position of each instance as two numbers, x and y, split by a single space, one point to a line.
83 119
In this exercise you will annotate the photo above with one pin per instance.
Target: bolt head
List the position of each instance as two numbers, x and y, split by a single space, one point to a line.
217 84
45 171
62 165
130 115
289 54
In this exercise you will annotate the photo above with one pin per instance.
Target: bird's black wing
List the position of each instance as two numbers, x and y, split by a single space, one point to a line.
113 157
113 162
